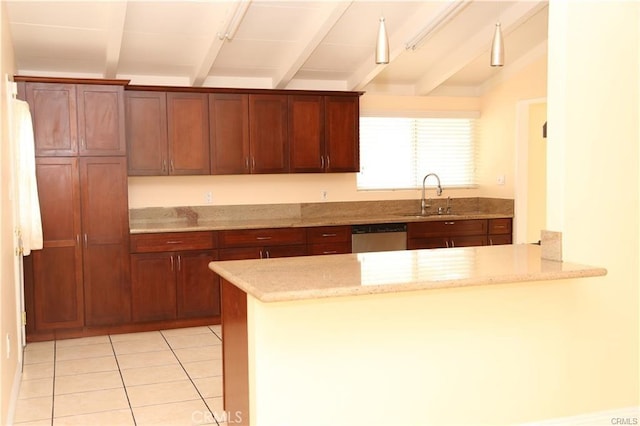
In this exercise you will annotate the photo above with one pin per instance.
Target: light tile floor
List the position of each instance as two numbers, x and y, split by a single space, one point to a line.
169 377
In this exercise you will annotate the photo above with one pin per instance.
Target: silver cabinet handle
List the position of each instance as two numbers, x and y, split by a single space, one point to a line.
328 162
490 241
172 264
179 263
322 161
263 238
174 242
171 165
164 165
86 240
330 252
253 163
267 253
453 244
328 235
449 223
246 163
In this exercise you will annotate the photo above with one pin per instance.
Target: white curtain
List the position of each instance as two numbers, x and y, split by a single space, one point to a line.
29 219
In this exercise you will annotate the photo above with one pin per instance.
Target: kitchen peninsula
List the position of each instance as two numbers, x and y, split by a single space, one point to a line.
374 337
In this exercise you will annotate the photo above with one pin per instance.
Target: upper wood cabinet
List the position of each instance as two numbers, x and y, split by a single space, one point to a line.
268 134
342 133
323 133
306 133
248 133
146 118
229 130
188 133
77 119
167 133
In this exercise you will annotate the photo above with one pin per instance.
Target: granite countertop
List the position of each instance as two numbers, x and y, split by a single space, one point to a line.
313 277
257 223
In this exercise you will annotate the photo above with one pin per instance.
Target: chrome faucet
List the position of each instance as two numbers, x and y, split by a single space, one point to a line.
423 201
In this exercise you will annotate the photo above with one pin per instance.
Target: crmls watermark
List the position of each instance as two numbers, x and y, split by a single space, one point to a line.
204 417
624 420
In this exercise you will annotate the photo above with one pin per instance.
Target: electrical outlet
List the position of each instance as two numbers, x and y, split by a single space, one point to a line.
208 197
324 195
500 180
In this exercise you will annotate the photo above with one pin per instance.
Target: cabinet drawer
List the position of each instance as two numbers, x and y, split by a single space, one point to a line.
262 237
500 226
328 234
329 248
172 241
447 228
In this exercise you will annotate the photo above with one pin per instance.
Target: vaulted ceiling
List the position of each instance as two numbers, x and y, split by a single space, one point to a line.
291 44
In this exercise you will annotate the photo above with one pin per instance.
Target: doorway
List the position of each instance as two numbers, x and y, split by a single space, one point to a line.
531 171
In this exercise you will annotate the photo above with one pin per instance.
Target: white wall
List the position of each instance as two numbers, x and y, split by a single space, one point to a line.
593 188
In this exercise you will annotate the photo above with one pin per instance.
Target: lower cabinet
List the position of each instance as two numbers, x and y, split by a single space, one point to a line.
459 233
329 240
262 243
170 277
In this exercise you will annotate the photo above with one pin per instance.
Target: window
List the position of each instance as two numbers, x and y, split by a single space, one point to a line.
397 152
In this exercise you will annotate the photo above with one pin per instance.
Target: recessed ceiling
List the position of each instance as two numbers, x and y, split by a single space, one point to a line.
295 44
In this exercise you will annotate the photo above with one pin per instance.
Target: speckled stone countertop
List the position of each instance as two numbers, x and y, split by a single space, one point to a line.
313 277
213 218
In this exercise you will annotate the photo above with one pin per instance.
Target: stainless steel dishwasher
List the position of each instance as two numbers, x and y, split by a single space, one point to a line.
378 237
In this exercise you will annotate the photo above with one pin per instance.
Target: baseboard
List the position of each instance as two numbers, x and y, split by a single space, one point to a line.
13 398
619 416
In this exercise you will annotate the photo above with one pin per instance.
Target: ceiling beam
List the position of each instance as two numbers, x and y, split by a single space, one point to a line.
115 31
476 45
202 70
324 19
430 14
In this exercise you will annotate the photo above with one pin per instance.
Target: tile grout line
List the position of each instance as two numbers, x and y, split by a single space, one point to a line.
189 376
124 386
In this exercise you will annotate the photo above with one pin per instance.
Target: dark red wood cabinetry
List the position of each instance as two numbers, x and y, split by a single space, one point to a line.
262 243
76 119
248 132
323 133
81 277
170 277
458 233
342 134
167 133
229 133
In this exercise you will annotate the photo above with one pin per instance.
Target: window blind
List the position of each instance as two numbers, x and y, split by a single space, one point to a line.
397 152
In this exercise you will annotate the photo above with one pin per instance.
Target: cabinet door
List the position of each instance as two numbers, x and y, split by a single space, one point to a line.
229 133
146 124
53 111
240 253
105 224
468 241
101 120
268 134
306 134
57 268
501 239
427 243
153 286
188 133
342 134
198 287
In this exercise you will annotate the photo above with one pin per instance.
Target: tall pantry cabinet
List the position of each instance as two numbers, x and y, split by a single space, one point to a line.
81 276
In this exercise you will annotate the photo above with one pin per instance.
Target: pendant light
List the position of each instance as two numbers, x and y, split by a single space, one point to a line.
382 46
497 48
